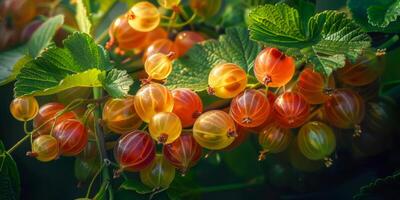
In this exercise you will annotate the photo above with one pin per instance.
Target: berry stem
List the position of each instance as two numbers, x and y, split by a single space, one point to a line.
171 22
16 145
97 94
93 179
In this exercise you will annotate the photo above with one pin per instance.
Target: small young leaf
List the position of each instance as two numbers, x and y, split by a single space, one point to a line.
82 17
44 34
79 64
192 70
382 16
117 83
135 185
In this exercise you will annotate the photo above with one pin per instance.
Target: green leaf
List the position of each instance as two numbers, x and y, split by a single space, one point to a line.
324 39
327 64
192 70
117 83
382 16
10 185
86 53
135 185
370 12
11 63
79 64
278 25
82 17
44 34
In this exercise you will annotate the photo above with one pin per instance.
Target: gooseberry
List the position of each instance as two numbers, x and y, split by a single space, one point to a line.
144 16
45 148
316 140
165 127
72 137
186 40
24 108
45 120
250 108
214 130
183 153
291 109
273 68
227 80
135 151
158 66
151 99
187 105
119 115
159 174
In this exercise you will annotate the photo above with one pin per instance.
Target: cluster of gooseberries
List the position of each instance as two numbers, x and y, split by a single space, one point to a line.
285 107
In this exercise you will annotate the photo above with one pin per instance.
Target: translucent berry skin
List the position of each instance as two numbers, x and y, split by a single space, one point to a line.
227 80
154 35
242 135
183 153
24 108
214 130
291 110
311 85
185 40
344 109
151 99
271 117
316 140
72 137
187 106
363 72
158 66
250 108
165 127
144 16
159 174
205 8
164 46
168 4
46 148
119 115
274 138
48 111
273 68
135 151
124 36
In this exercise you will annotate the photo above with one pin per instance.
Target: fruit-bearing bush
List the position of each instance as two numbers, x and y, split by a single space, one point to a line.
170 84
